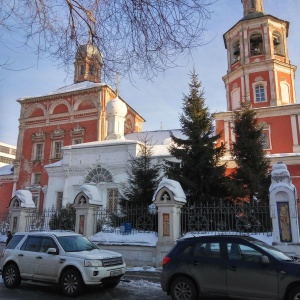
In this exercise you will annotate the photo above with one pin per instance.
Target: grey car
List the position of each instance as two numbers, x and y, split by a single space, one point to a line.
63 258
229 266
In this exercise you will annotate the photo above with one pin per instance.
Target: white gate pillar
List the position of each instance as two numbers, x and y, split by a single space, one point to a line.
284 211
169 198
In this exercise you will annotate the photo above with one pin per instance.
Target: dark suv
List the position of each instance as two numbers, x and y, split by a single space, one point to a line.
229 266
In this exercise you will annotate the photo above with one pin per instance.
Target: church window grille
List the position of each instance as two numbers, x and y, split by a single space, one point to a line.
39 149
265 140
59 199
98 175
57 149
112 199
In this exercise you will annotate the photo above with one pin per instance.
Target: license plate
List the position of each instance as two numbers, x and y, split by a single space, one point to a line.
115 272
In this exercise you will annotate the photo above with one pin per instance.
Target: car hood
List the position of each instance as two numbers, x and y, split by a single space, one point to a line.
94 254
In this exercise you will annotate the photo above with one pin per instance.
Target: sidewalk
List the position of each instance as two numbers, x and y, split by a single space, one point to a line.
143 273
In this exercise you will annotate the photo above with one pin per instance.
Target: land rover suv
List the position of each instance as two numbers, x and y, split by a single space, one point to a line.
63 258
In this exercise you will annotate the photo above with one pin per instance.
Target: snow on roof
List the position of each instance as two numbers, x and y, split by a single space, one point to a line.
92 193
26 198
56 164
70 88
174 187
7 170
158 137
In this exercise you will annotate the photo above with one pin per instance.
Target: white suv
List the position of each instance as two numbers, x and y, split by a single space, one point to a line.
66 258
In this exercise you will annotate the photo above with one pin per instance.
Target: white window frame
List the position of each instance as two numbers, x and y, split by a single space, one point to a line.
34 178
35 151
264 85
75 141
112 200
55 154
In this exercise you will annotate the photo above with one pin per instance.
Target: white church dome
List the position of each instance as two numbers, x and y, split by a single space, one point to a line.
116 107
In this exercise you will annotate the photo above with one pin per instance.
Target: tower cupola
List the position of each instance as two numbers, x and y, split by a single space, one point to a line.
252 6
88 64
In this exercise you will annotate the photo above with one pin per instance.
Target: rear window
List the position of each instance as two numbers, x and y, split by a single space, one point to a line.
14 241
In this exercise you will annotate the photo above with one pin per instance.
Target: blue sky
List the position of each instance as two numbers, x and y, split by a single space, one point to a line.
159 101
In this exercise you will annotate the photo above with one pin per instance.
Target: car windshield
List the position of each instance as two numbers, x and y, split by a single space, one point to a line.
273 251
76 243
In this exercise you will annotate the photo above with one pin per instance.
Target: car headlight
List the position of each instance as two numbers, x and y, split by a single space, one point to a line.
93 263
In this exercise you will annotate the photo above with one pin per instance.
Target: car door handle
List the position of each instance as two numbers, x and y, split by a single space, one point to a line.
62 260
196 263
39 257
233 268
20 254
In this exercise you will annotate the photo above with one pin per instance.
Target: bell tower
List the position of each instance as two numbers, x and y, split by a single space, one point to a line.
259 67
88 64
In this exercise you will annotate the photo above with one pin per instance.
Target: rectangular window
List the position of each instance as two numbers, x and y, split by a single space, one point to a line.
112 198
36 178
59 199
57 150
77 141
260 93
264 140
39 151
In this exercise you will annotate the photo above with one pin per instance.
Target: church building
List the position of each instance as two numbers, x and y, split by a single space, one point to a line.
71 115
260 71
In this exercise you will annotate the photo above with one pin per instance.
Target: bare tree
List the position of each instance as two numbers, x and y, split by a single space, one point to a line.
134 36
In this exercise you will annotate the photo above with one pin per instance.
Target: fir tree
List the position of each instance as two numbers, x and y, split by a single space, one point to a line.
198 171
143 176
251 177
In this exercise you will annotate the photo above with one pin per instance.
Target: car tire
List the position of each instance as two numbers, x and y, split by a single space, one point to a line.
110 285
183 288
11 276
294 294
71 283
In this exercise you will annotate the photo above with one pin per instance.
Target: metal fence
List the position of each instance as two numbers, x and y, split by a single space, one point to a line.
51 219
218 218
225 217
4 222
127 220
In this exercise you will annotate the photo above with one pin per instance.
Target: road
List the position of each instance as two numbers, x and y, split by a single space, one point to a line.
136 286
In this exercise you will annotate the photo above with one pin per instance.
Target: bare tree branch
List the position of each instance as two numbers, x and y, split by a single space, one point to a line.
135 36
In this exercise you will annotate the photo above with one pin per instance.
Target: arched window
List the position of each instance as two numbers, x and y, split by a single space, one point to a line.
236 100
285 92
277 43
256 44
98 175
235 51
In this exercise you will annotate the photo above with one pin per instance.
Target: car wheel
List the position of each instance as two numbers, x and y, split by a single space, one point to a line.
183 288
11 276
110 285
294 294
71 283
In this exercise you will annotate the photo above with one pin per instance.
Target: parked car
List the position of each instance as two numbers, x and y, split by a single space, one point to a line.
63 258
229 266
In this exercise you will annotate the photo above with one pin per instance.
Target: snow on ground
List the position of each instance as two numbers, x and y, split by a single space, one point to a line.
148 239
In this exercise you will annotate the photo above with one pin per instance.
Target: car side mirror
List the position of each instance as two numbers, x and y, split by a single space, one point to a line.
51 251
264 260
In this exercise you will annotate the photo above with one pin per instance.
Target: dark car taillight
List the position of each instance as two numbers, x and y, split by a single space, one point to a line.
166 260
